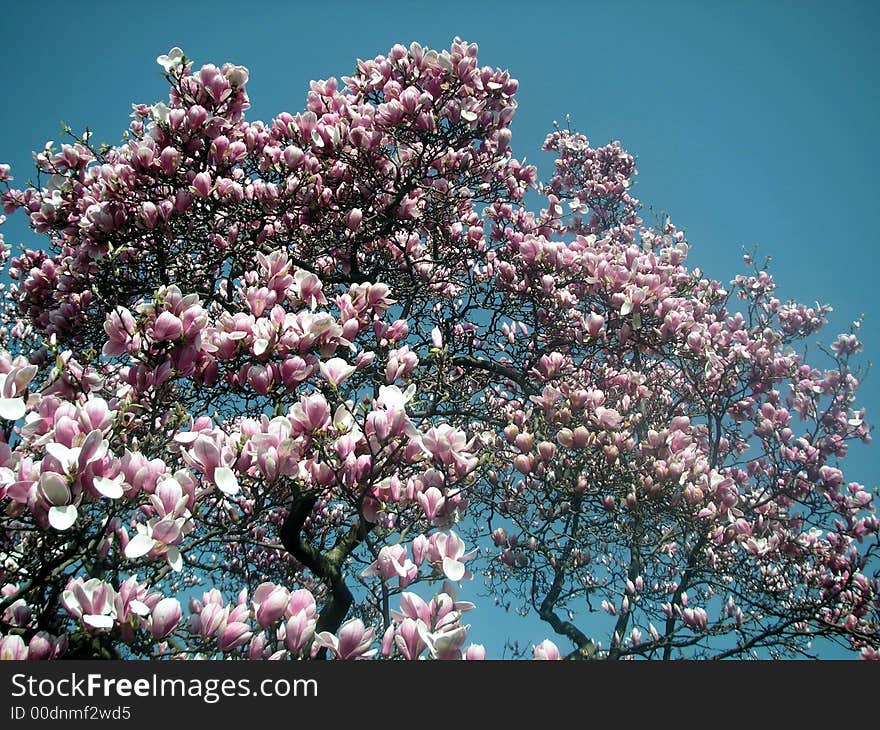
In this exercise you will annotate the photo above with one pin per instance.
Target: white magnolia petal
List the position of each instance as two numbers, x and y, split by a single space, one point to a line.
170 60
67 457
261 344
393 398
225 480
186 437
160 111
139 546
175 559
59 451
453 569
139 607
111 488
62 518
12 408
446 640
425 635
98 621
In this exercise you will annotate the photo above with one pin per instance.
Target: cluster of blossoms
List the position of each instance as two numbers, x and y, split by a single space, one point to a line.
595 183
669 414
279 624
324 362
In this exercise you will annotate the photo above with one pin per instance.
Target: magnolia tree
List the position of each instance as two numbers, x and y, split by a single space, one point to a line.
272 389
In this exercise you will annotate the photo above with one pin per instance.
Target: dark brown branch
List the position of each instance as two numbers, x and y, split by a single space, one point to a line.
488 366
327 567
585 647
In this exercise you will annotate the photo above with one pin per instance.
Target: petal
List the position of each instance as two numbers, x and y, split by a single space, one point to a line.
454 545
448 641
171 59
95 447
12 408
225 480
55 489
62 518
261 344
326 640
139 546
425 635
186 437
160 111
98 621
206 452
111 488
139 607
175 559
453 569
67 457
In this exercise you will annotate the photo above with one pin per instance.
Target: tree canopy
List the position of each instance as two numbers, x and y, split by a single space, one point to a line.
272 389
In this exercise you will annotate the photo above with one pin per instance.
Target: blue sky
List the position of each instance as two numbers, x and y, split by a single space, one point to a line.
752 122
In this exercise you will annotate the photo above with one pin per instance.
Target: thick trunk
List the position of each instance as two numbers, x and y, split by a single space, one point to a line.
326 566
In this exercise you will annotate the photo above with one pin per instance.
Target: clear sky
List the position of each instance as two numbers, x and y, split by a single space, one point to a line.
752 122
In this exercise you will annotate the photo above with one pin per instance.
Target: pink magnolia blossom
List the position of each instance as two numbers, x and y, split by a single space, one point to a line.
271 603
91 602
12 647
450 446
233 635
165 617
546 650
393 562
448 551
352 641
299 630
336 370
